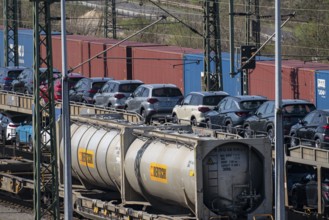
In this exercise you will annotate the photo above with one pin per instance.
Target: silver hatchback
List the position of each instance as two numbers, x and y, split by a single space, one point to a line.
114 93
154 101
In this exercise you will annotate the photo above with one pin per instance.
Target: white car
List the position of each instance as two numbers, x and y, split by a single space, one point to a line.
9 123
193 107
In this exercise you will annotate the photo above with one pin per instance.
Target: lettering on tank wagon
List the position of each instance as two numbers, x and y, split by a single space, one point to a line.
230 158
86 158
158 172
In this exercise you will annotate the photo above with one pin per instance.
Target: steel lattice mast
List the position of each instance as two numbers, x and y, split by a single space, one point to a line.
46 196
212 46
10 33
110 19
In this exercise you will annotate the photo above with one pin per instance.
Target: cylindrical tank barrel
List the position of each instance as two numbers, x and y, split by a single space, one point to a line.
96 155
158 169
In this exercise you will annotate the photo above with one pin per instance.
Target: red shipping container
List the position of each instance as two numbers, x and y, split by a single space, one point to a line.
160 64
74 52
298 79
119 66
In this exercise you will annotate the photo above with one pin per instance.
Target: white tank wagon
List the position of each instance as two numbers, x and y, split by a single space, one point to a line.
176 173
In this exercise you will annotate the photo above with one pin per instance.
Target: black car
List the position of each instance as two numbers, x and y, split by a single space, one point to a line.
232 111
312 130
24 82
7 75
85 89
262 122
304 193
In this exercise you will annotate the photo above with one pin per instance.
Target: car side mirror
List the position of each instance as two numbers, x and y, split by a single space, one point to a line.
216 108
132 95
258 114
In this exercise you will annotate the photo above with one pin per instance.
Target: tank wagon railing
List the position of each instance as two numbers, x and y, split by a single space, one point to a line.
23 103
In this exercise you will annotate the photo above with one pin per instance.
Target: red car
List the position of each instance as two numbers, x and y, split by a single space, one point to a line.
73 79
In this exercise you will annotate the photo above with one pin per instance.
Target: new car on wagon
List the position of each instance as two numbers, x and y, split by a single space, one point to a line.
262 122
231 112
8 75
114 93
312 130
86 88
154 101
194 106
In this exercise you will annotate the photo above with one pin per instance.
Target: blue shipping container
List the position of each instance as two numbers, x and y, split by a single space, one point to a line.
25 48
193 71
321 88
2 51
193 68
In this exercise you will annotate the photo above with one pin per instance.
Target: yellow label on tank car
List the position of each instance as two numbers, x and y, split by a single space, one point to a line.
158 172
86 158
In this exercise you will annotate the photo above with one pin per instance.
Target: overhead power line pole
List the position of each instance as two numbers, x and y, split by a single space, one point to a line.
46 196
110 19
10 33
212 46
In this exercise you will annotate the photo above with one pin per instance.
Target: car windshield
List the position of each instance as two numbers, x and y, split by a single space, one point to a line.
128 88
73 81
166 92
98 85
14 74
298 109
212 100
251 105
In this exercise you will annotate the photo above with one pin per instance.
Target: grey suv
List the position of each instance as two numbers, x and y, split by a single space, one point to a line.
154 101
8 74
114 93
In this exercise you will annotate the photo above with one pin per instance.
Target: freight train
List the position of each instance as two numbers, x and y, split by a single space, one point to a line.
174 171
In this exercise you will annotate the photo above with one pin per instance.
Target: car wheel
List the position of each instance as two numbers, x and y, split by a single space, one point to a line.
270 134
145 118
229 127
295 202
208 124
247 132
317 143
194 122
174 119
294 141
17 141
30 143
